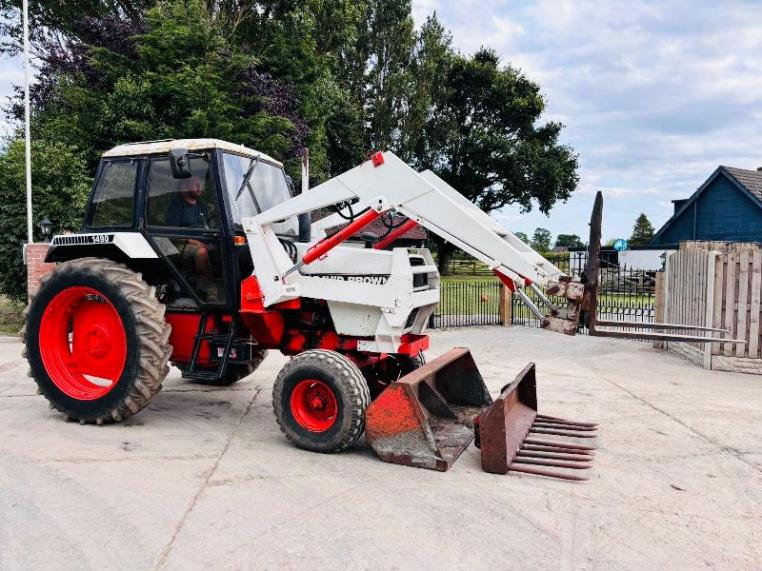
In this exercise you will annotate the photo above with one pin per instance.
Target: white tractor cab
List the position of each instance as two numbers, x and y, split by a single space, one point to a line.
194 252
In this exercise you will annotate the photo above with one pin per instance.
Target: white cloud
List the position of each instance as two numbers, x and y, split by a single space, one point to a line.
654 95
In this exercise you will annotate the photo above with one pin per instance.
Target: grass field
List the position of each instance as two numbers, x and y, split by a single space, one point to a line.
475 295
460 279
11 316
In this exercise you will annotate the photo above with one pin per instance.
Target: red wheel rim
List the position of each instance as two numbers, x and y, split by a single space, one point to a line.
82 343
314 405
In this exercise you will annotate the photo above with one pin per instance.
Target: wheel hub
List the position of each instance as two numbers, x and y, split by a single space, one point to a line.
83 343
314 405
97 342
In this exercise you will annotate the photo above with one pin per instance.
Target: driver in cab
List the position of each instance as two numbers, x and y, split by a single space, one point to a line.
187 210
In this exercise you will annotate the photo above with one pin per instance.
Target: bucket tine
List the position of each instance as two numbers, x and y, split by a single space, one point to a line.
568 433
580 427
575 451
552 463
509 428
547 473
558 444
563 421
553 456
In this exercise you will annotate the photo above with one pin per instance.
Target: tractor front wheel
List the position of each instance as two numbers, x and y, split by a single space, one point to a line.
319 399
96 340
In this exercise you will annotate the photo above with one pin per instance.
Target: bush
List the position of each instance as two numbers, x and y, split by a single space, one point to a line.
60 187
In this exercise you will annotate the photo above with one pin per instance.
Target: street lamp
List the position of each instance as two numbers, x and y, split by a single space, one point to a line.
46 226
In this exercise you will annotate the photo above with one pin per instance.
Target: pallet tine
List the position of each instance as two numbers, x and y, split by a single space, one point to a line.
547 473
506 435
558 444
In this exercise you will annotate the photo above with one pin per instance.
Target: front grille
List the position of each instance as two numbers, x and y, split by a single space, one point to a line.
74 240
82 239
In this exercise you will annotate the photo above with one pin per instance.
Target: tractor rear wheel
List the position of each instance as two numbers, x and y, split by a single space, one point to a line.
96 340
319 399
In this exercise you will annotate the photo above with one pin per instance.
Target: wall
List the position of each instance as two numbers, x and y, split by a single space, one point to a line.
36 266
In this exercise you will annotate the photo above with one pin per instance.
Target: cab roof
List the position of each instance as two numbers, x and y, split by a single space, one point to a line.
166 145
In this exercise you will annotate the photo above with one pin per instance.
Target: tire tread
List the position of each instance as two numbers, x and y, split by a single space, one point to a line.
152 334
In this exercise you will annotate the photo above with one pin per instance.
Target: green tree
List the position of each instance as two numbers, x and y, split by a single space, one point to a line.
569 241
387 42
430 62
315 46
541 239
522 236
485 138
52 19
59 192
175 75
643 231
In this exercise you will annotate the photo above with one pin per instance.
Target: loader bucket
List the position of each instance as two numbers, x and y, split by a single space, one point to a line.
425 419
514 438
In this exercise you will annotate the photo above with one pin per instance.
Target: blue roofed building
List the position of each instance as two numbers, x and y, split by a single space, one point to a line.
727 208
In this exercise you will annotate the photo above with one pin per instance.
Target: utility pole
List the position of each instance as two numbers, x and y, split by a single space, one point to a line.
27 128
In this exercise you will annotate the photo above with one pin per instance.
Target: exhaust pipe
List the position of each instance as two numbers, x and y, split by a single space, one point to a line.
305 219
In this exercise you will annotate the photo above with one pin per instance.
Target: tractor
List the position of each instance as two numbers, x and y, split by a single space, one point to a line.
197 253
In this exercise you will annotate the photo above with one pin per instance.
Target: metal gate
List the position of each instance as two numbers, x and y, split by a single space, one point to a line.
469 303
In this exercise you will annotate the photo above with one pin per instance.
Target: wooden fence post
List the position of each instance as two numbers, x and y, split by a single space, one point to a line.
659 304
711 273
506 306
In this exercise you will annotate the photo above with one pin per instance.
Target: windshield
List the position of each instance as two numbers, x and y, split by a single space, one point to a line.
264 188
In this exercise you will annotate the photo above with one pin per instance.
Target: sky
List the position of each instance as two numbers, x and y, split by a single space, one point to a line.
654 95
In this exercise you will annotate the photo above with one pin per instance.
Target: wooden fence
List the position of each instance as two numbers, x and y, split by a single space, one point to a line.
715 284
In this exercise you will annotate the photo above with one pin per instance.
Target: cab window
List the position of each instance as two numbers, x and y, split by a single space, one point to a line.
182 203
113 201
265 187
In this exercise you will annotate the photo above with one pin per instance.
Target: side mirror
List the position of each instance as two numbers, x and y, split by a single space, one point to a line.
179 162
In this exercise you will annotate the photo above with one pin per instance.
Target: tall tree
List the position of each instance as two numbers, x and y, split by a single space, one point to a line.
541 239
643 231
485 138
173 74
569 241
522 236
430 63
56 20
312 45
387 43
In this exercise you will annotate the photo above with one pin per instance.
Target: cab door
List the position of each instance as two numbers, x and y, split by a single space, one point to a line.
183 220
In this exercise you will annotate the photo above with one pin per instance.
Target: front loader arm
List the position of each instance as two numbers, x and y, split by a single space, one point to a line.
387 183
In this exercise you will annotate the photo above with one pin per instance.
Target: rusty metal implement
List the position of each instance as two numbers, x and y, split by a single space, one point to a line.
429 417
514 438
425 419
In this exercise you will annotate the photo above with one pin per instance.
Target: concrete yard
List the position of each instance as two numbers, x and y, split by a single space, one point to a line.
204 479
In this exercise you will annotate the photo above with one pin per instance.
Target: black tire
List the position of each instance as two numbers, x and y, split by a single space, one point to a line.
411 363
146 333
235 371
391 369
348 386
